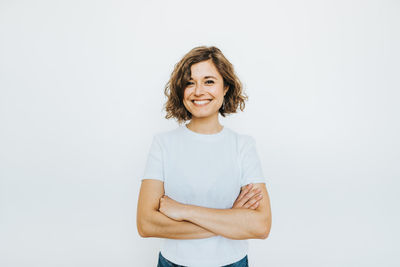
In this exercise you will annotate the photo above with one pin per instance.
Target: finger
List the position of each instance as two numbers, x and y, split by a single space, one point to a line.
245 191
242 194
251 194
255 205
248 196
250 204
253 200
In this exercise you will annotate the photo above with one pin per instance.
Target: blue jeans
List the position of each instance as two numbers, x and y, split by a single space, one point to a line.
163 262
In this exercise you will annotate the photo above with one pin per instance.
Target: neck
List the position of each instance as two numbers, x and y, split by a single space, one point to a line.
205 125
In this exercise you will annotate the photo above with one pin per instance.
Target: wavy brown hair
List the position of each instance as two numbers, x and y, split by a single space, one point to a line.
174 89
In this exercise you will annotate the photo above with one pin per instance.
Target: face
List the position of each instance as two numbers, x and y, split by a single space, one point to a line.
206 84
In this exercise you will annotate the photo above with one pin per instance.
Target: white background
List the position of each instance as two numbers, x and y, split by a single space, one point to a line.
81 95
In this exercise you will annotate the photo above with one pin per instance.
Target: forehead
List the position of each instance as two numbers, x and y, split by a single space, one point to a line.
204 68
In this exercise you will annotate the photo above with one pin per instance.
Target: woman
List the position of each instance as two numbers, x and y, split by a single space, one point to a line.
203 189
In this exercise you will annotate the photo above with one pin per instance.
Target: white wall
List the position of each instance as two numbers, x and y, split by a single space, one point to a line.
81 93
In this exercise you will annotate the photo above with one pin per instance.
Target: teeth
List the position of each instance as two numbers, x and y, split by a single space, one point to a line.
201 102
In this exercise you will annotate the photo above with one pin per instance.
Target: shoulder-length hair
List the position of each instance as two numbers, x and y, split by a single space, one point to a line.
174 88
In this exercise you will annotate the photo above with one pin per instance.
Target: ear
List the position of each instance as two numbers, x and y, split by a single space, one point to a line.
226 89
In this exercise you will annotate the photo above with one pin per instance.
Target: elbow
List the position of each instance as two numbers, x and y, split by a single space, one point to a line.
142 230
265 229
264 235
145 224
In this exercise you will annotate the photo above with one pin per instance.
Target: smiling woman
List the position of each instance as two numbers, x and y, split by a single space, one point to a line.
204 93
203 69
203 189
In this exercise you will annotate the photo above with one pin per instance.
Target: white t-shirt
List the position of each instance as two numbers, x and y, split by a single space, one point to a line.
205 170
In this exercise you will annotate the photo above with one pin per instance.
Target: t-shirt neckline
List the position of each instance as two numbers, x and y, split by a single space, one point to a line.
204 136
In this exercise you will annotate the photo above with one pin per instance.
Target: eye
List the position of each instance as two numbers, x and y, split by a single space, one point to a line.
210 81
189 83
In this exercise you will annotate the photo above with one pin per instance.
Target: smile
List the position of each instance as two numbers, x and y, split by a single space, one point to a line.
201 103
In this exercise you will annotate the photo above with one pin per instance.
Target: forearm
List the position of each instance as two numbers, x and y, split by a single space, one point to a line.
230 223
159 225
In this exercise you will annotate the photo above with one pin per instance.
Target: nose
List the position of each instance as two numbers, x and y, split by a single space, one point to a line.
198 89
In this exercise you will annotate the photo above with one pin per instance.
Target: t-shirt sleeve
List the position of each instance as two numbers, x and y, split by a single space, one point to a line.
251 170
154 164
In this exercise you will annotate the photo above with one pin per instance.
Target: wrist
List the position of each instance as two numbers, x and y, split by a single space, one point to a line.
187 211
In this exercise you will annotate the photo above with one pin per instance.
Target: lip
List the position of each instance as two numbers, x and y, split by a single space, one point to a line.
202 105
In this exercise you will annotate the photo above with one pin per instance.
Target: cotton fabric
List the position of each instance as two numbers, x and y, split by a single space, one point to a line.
205 170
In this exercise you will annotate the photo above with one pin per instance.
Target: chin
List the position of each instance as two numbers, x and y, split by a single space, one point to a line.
202 115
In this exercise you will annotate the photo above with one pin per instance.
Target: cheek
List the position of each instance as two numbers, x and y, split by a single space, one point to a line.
186 93
218 90
218 93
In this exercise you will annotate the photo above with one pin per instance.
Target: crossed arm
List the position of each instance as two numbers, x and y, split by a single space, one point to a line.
161 216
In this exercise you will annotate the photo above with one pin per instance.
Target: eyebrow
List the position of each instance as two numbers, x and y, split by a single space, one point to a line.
206 77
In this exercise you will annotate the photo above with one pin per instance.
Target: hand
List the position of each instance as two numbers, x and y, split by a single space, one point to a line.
248 199
171 208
